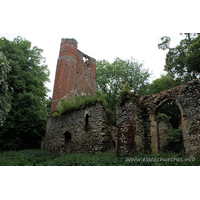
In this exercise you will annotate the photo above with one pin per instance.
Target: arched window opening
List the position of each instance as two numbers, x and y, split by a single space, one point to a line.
170 137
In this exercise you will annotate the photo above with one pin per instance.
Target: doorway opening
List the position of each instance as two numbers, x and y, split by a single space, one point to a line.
170 136
68 138
87 123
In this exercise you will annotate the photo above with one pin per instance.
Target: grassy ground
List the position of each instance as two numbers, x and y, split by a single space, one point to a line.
42 158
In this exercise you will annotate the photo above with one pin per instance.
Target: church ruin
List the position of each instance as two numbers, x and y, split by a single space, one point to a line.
138 124
138 127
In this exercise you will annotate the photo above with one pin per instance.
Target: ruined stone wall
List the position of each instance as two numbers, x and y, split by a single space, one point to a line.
86 130
75 73
187 97
138 125
132 133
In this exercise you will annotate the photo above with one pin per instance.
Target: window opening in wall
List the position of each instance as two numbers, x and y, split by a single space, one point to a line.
170 136
68 138
86 123
86 61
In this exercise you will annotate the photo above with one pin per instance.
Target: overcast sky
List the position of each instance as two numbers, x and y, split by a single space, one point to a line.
103 29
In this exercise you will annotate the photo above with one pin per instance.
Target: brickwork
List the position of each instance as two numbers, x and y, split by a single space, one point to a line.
75 73
84 130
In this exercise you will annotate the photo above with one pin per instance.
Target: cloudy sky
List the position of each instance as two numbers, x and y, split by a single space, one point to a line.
103 29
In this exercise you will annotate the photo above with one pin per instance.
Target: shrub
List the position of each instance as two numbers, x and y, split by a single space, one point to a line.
25 157
124 93
163 117
111 117
42 158
79 103
174 140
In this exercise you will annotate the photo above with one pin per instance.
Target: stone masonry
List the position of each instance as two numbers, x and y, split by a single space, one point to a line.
138 125
132 126
83 130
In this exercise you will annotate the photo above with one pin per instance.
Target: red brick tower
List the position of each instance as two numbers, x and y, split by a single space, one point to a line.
75 73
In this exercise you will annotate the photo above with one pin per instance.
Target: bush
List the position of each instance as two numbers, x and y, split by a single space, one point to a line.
174 140
25 157
43 158
124 93
111 117
79 103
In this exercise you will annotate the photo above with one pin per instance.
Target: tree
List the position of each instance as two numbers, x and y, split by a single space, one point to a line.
4 91
163 83
109 77
183 60
26 122
48 105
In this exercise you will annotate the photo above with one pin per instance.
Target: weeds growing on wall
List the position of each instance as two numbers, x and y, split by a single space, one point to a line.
124 93
79 103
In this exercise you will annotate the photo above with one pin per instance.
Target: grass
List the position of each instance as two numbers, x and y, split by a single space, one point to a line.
29 157
43 158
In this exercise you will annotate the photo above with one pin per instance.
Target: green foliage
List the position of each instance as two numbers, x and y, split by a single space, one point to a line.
124 93
174 140
110 159
25 124
163 117
48 105
183 88
4 90
111 117
43 158
109 77
163 83
79 103
26 157
171 110
183 60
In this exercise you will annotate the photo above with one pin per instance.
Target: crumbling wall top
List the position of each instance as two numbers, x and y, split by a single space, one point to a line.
69 40
85 56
